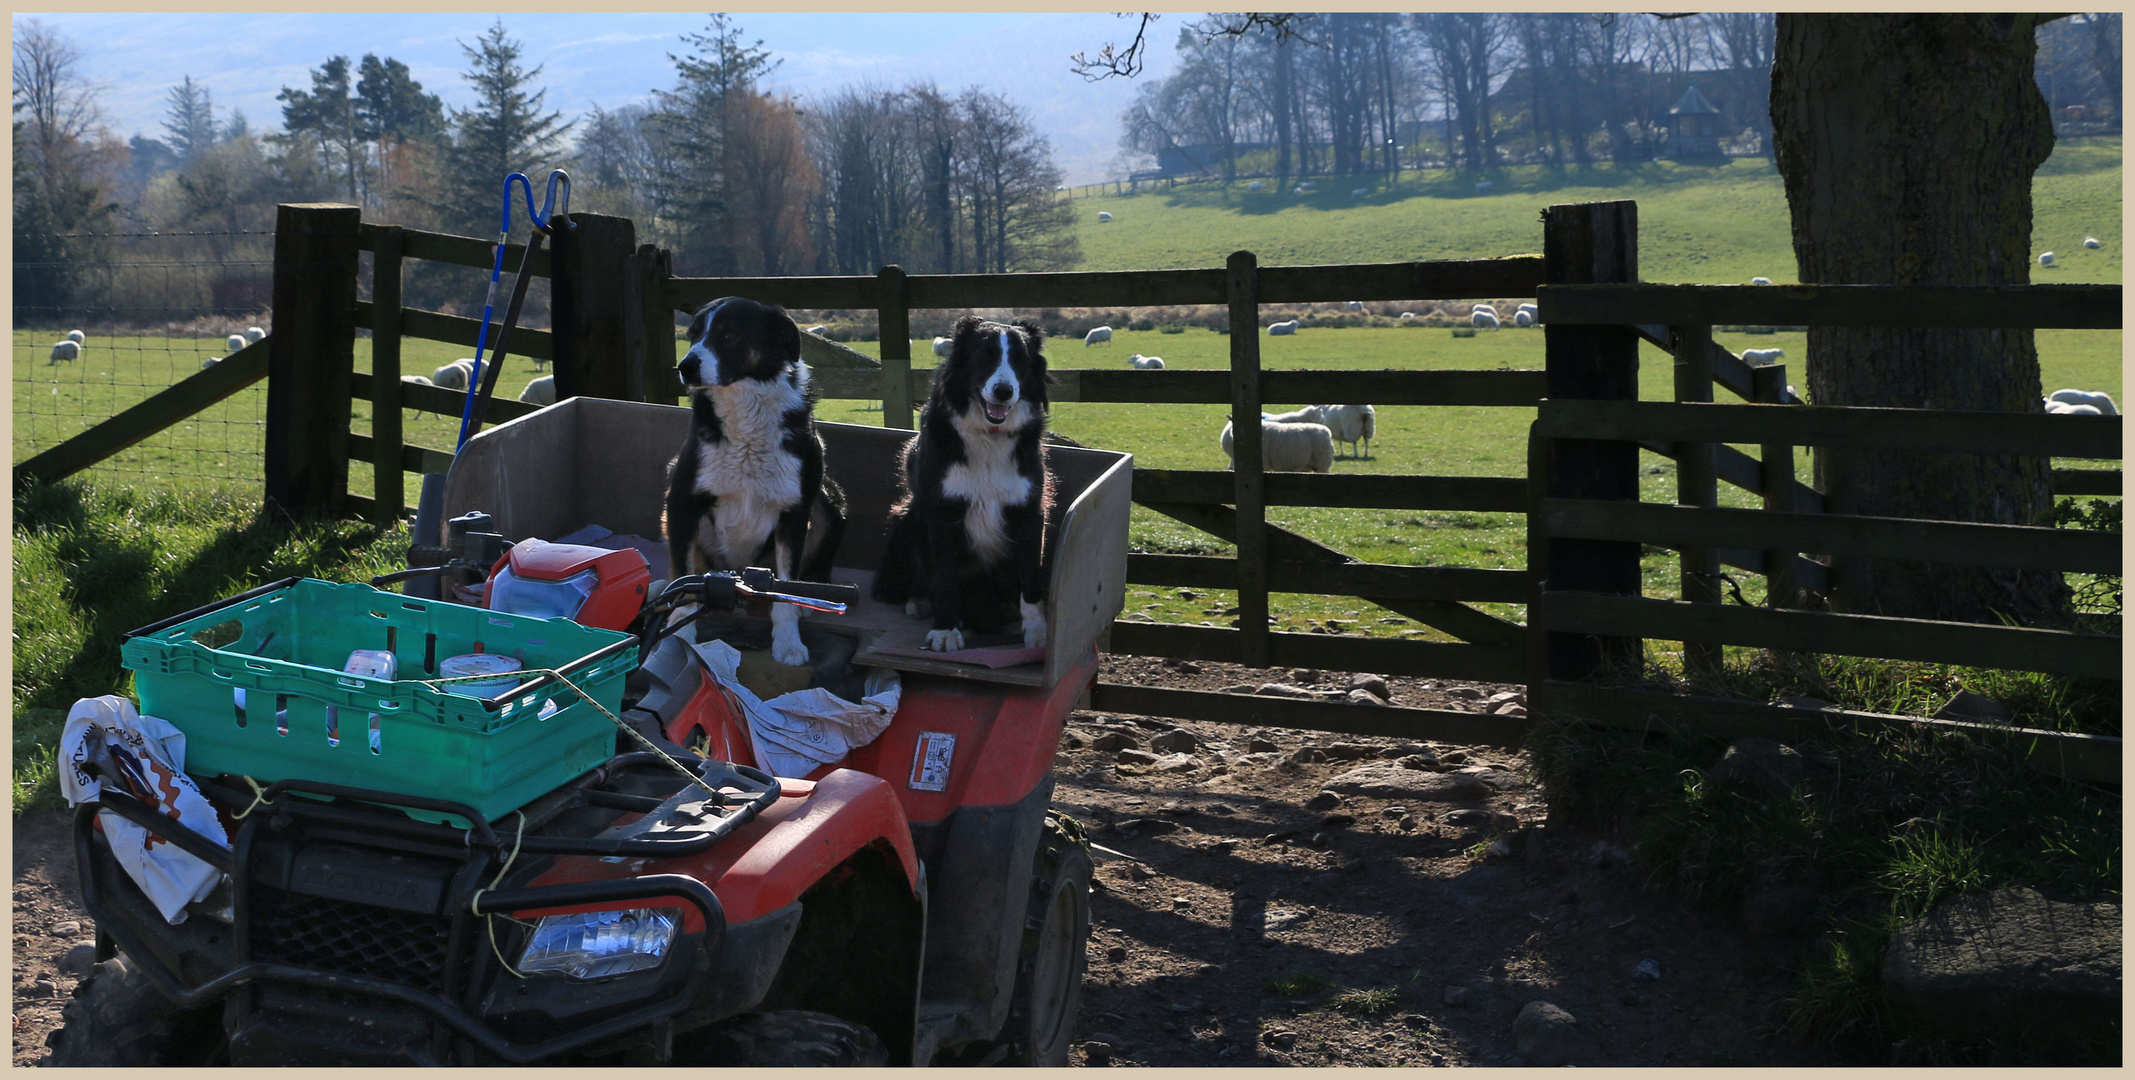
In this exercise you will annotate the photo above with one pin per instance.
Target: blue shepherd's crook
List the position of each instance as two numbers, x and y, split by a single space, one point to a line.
542 227
429 507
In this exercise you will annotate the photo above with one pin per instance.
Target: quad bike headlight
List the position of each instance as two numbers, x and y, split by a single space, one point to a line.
594 944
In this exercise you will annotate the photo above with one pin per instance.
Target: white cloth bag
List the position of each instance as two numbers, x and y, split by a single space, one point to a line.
795 732
151 753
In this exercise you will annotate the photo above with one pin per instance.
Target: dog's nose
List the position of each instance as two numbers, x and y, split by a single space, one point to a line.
1002 391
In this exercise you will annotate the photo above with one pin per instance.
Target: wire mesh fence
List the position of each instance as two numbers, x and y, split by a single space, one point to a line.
149 309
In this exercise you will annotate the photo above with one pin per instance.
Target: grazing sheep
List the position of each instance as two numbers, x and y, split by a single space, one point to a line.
541 391
417 380
1482 317
1254 186
1523 318
2097 399
64 350
942 344
818 329
2046 258
1104 215
1289 447
1491 308
1358 193
2063 409
1351 423
235 342
255 333
1760 281
460 374
1097 335
1482 186
1146 363
1352 305
79 338
1761 357
1408 314
2092 243
1281 328
1310 414
210 362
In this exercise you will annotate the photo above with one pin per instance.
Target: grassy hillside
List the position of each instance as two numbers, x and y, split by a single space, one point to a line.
1696 223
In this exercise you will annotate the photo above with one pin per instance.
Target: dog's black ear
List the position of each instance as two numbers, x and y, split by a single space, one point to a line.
782 332
967 323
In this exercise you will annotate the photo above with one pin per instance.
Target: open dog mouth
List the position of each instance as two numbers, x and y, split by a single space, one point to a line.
996 411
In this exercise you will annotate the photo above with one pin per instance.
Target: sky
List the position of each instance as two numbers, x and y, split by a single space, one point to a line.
244 59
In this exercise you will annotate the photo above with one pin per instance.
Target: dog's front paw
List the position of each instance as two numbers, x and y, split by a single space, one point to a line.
1033 626
786 647
945 640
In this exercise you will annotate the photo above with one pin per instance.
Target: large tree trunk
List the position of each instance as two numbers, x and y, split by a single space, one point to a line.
1907 144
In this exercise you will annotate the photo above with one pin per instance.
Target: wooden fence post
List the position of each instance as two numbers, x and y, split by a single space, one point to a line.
598 326
1590 244
654 265
311 357
893 326
1775 474
1241 281
388 483
1696 485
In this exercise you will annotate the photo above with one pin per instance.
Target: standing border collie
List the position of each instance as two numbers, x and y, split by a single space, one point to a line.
748 488
968 538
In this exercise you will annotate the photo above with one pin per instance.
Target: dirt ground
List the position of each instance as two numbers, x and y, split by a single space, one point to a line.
1244 918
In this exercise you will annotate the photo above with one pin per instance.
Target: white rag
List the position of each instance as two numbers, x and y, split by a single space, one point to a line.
796 732
150 754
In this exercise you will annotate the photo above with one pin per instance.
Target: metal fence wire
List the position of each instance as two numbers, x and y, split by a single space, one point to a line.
151 309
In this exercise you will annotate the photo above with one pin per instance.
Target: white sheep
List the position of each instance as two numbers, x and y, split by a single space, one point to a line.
1761 357
1491 308
2046 258
1146 363
1351 423
2092 243
1281 328
942 345
1310 414
1760 281
210 362
1530 307
1408 314
416 380
460 374
1254 186
1098 335
1289 447
64 350
1104 215
1358 193
2063 409
1352 305
79 338
1482 317
1523 318
255 333
818 330
541 391
1482 186
235 342
2097 399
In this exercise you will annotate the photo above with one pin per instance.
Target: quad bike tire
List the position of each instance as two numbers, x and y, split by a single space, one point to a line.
1055 953
119 1018
789 1038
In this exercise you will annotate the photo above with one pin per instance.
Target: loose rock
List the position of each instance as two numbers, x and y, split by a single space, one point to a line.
77 960
1177 763
68 928
1975 707
1115 740
1387 780
1116 954
1324 801
1135 757
1648 970
1276 689
1373 684
1549 1036
1759 767
1175 741
1365 697
1985 961
1456 996
1260 746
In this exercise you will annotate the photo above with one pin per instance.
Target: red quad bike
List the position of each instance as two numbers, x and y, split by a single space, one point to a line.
916 902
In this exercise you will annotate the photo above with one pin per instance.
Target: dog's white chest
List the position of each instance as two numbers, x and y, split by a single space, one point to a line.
988 482
749 470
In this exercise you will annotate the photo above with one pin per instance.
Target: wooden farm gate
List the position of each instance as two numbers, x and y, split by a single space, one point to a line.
1580 495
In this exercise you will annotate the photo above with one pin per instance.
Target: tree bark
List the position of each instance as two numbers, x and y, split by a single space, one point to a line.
1907 144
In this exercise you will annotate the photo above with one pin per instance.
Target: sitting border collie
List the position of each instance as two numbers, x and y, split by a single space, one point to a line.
748 488
968 536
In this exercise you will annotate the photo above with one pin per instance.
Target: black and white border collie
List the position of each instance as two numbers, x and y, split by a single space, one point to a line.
968 536
748 488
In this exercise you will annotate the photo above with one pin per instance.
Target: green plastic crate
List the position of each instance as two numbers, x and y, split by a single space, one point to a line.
258 689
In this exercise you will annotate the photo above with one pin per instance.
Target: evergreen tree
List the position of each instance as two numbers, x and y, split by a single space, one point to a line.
390 104
327 114
505 132
693 121
191 119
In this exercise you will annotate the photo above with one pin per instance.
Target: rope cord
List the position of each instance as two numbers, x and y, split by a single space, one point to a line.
689 777
474 903
259 798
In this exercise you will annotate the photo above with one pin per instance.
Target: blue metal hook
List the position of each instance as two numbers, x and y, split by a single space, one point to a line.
542 218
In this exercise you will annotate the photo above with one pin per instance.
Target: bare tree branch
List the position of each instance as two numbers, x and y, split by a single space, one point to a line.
1109 62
